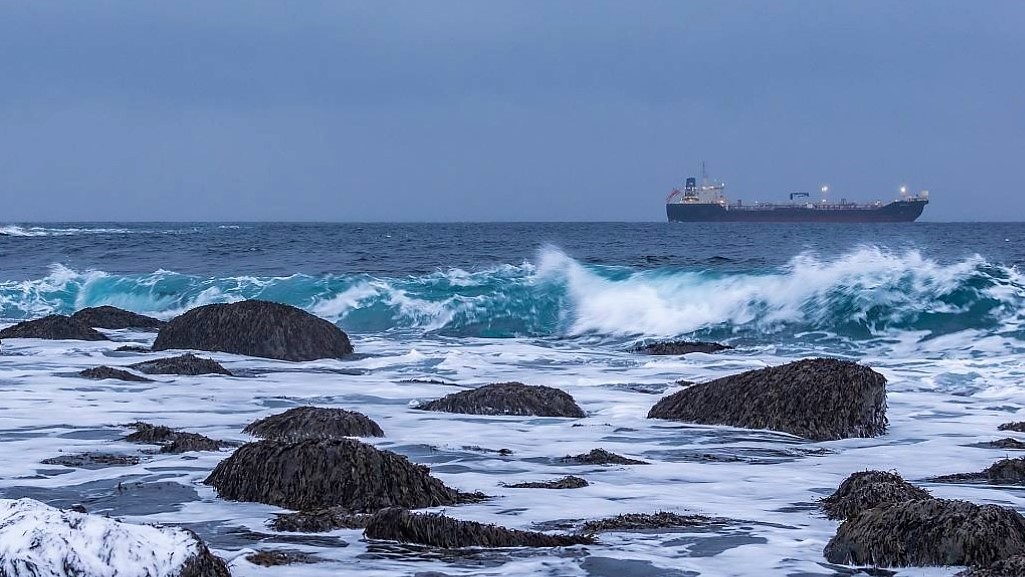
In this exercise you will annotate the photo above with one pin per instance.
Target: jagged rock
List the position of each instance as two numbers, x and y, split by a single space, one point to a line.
1008 443
275 557
314 423
187 364
819 399
320 520
132 349
315 474
92 460
569 482
680 348
105 372
108 317
1017 427
172 441
509 399
928 532
601 457
1003 472
54 327
646 522
257 329
39 540
1013 566
437 530
868 489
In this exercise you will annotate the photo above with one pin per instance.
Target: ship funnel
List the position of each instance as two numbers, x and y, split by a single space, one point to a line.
692 184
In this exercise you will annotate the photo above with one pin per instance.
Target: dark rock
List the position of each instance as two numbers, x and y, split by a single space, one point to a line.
133 349
105 372
479 449
275 557
569 482
54 327
1008 443
108 317
315 474
437 530
868 489
680 348
150 434
646 522
509 399
78 508
257 329
601 457
172 441
187 364
1017 427
928 532
1003 472
1013 566
92 460
302 423
819 399
320 520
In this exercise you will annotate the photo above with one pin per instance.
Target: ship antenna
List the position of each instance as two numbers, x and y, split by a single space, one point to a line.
704 174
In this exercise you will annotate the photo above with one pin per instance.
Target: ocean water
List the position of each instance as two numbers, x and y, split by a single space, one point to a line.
433 308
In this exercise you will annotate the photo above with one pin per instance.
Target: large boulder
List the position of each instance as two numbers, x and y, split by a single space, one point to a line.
314 474
437 530
39 540
867 489
819 399
301 423
187 364
257 329
928 532
108 317
53 327
509 399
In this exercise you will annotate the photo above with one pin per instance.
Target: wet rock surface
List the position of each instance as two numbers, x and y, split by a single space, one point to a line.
171 440
1013 566
314 423
257 329
509 399
569 482
53 327
680 348
818 399
1003 472
601 457
92 460
320 520
437 530
133 349
105 372
1017 426
646 522
187 364
929 532
868 489
316 474
1007 443
108 317
276 557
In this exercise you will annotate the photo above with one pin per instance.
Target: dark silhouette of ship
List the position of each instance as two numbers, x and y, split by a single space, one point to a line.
707 202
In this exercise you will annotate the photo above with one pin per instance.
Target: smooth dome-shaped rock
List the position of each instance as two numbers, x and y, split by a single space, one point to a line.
301 423
437 530
316 474
108 317
187 364
928 532
257 329
818 399
39 540
509 399
53 327
867 489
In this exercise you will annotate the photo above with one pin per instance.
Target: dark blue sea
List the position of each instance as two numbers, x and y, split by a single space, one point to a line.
936 308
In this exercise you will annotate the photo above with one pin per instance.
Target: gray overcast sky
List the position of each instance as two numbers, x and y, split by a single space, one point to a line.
534 110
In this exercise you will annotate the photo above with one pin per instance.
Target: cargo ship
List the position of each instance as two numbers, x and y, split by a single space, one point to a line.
707 202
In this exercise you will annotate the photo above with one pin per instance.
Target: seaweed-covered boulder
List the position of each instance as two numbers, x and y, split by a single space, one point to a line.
867 489
646 522
601 457
1017 427
108 317
36 539
256 329
1013 566
1003 472
680 348
171 441
313 474
277 557
818 399
568 482
104 372
301 423
53 327
928 532
320 520
187 364
1007 443
509 399
437 530
92 460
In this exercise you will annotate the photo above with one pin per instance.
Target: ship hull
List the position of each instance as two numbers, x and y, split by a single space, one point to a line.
897 211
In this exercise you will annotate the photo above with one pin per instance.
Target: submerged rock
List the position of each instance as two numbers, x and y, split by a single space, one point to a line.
509 399
132 349
36 539
868 489
54 327
108 317
569 482
601 457
320 520
257 329
315 474
92 460
818 399
187 364
302 423
1008 443
104 372
1003 472
437 530
172 441
646 522
680 348
928 532
276 557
